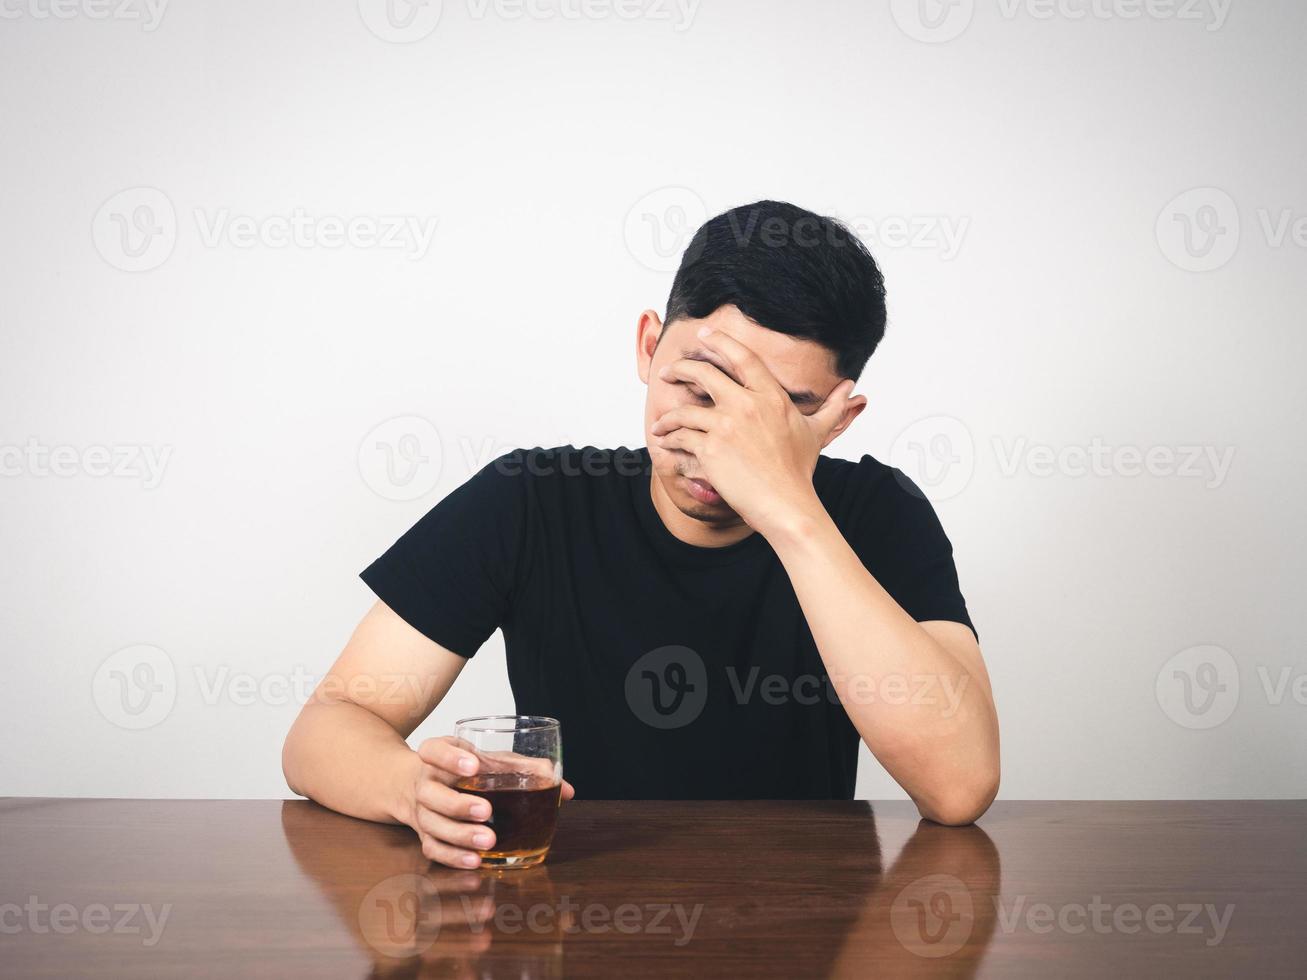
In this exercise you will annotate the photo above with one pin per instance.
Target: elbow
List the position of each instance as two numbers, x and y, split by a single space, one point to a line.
289 764
962 804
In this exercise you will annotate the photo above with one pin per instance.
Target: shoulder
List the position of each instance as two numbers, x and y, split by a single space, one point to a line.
839 478
870 494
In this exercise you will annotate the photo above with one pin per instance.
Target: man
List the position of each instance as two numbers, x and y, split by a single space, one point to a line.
724 614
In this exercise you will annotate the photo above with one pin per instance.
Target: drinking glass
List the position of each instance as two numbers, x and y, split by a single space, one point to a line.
521 777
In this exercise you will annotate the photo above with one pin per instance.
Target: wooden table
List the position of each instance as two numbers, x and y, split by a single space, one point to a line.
137 888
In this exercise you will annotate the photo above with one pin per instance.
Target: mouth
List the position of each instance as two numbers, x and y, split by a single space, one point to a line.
702 491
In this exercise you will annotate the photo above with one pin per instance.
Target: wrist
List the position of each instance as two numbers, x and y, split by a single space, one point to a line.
794 520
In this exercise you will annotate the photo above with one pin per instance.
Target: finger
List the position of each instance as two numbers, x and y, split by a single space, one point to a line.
686 440
686 416
449 755
473 836
569 790
448 855
745 365
436 796
707 376
832 409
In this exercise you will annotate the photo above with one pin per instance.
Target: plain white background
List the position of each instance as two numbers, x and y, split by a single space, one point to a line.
239 238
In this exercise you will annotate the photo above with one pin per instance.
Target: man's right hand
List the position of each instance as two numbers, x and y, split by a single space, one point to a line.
450 824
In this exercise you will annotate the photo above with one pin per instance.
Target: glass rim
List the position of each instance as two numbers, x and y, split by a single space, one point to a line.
535 723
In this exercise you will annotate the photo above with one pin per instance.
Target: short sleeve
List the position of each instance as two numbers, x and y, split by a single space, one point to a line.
900 539
451 576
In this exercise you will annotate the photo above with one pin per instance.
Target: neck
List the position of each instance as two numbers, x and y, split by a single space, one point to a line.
691 530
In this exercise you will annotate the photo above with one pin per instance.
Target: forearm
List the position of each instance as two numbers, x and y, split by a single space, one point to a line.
345 757
930 722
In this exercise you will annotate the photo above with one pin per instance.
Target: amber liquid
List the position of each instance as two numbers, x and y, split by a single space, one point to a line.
523 814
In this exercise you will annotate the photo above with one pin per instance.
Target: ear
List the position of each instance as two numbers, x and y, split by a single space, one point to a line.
852 409
647 331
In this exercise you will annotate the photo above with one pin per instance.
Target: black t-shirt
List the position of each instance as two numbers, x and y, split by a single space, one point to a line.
677 672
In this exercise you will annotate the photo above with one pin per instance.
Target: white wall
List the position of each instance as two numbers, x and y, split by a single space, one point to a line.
1066 311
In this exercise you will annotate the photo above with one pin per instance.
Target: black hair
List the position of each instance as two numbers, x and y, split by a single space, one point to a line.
788 270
